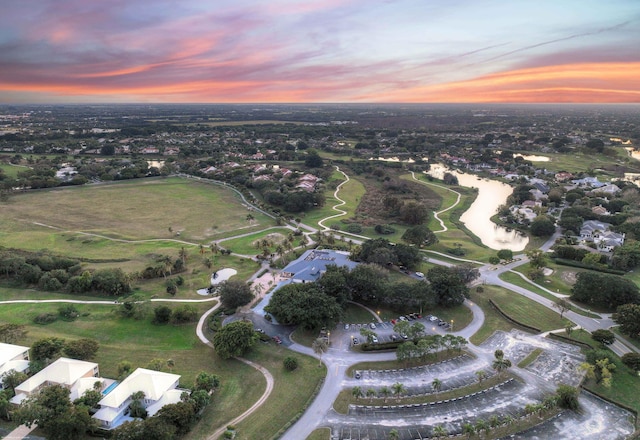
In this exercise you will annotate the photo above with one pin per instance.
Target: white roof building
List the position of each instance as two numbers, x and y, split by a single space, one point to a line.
64 371
13 357
159 389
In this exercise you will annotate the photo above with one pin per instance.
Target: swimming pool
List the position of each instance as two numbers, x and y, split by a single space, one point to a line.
110 388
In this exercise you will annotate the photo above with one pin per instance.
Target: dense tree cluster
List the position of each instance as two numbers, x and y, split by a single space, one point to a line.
234 294
234 339
59 273
604 290
383 252
422 347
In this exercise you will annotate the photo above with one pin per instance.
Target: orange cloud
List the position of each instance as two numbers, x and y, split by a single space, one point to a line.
587 82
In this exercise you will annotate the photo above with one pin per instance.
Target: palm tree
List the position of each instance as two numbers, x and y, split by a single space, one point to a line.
183 255
214 248
357 392
436 384
371 393
201 249
494 421
481 426
250 218
481 374
501 364
469 429
385 391
398 389
170 364
393 435
320 346
439 431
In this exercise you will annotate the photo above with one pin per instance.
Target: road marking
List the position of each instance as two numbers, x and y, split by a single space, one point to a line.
596 320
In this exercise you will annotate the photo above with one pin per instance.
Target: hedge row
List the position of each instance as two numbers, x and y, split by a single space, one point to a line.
565 262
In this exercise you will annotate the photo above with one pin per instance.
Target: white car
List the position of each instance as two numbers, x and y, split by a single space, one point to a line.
419 274
374 339
372 325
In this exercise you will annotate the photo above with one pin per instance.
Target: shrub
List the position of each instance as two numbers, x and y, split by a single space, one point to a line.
68 312
384 229
45 318
354 228
290 363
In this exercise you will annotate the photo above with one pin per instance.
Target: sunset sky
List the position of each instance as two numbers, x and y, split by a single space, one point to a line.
216 51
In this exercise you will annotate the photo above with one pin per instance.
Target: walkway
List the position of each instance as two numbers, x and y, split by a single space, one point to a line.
436 214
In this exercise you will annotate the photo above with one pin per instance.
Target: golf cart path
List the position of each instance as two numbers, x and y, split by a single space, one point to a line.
268 377
435 214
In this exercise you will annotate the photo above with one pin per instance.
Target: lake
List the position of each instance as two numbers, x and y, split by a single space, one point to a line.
477 218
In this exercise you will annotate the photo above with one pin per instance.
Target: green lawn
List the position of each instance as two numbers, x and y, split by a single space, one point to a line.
11 171
320 434
247 245
133 210
513 278
516 306
291 394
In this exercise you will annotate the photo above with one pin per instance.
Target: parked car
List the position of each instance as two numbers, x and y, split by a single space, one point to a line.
374 339
277 340
393 322
433 318
357 375
403 318
419 274
259 330
404 336
394 338
355 341
346 326
372 326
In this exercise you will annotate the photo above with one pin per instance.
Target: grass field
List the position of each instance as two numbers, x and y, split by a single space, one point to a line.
132 210
517 307
246 245
11 170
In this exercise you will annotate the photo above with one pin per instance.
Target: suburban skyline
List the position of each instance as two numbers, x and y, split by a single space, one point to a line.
116 51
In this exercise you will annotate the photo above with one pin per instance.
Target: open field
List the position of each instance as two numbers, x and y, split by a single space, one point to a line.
517 307
11 170
247 245
131 210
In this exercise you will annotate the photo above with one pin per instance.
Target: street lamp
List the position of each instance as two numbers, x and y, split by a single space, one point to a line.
329 337
452 325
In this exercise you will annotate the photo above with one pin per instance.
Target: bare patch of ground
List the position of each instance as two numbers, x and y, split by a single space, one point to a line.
569 277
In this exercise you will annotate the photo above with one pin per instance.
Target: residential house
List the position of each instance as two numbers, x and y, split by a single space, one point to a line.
600 210
609 189
599 233
588 182
159 389
13 357
149 150
563 176
65 372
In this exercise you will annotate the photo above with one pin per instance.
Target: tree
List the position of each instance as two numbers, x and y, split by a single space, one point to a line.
567 397
290 363
500 364
420 235
631 360
393 435
320 346
181 415
234 339
124 369
563 306
305 305
234 294
385 392
542 226
206 381
505 254
162 315
448 284
414 213
605 290
12 378
368 334
436 385
481 375
46 349
537 258
83 349
313 159
136 408
334 283
468 429
605 337
356 392
439 431
398 389
628 316
52 411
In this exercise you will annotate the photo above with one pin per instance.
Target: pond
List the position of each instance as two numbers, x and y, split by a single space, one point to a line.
477 218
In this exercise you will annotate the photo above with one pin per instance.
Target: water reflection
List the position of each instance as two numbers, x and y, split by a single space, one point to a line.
491 194
532 157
